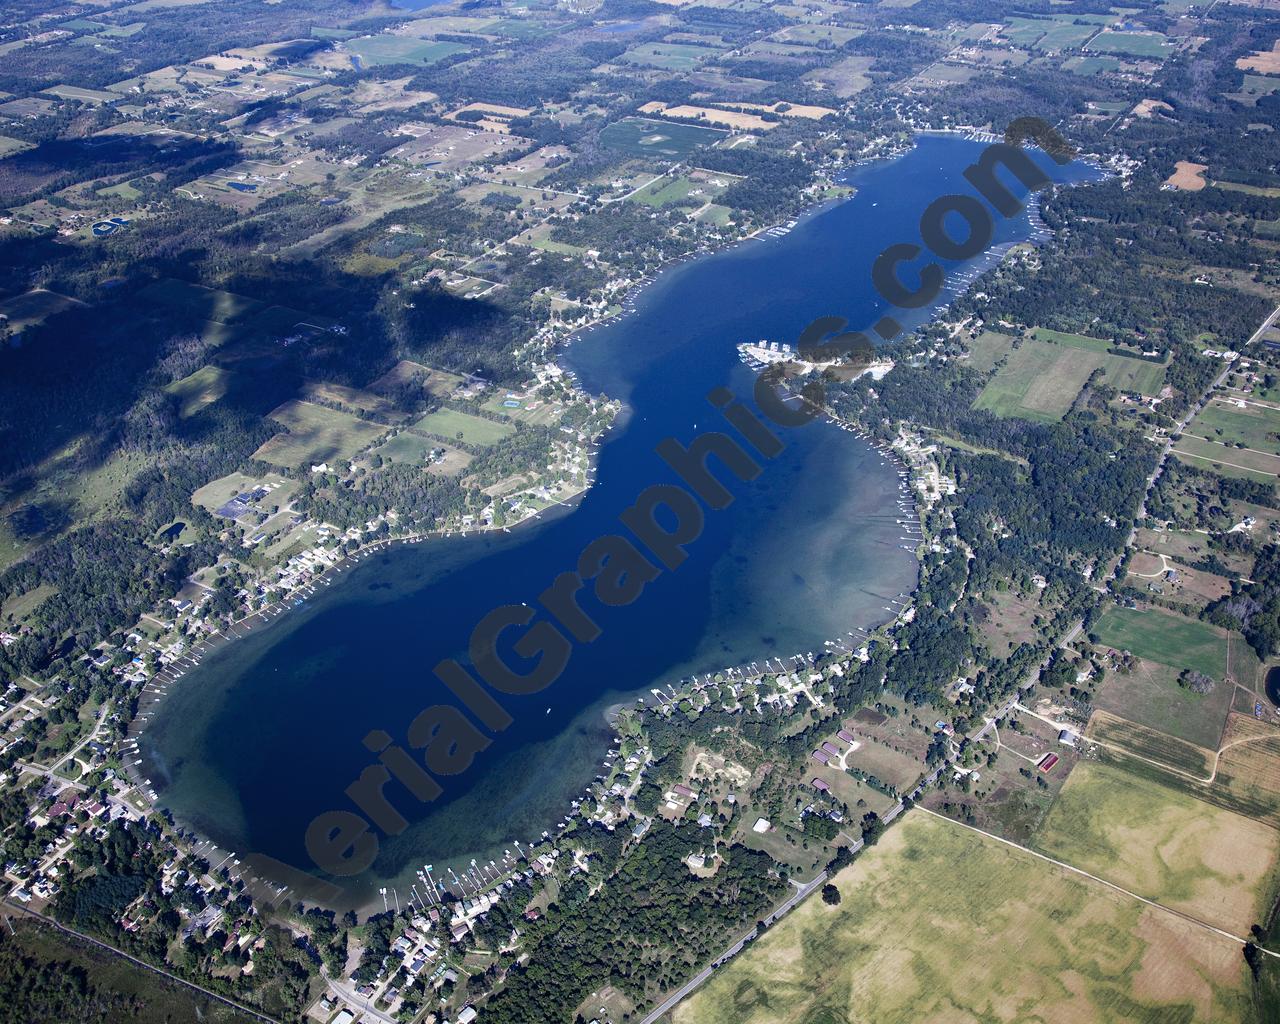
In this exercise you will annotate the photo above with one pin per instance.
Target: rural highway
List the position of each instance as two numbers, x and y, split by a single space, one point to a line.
684 990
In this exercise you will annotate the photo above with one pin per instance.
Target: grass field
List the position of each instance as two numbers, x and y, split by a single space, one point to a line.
34 307
1085 66
375 51
202 388
1227 460
10 146
1255 426
1169 639
1132 44
1164 844
74 92
205 303
451 424
316 435
1193 761
637 136
1150 695
669 56
1044 374
674 190
941 924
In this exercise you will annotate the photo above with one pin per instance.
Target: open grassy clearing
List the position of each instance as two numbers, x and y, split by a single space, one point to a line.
10 146
1169 639
451 424
206 303
200 389
316 435
669 56
675 190
1131 44
1149 695
1043 374
1227 460
846 77
1164 844
34 307
375 51
939 923
638 136
1253 425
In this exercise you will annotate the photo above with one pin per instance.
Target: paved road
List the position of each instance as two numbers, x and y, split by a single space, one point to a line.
687 988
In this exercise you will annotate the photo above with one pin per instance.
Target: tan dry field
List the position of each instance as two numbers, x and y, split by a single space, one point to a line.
1211 863
1187 176
728 118
939 924
1266 62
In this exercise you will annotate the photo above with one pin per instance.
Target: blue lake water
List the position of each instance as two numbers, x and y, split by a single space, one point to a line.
266 733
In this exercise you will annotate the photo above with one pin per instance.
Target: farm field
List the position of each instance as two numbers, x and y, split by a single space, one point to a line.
1149 695
1164 844
1132 44
1043 375
316 435
637 136
389 49
1255 426
10 146
669 56
940 923
1193 762
675 190
200 389
450 424
34 307
846 77
1166 638
1227 460
205 303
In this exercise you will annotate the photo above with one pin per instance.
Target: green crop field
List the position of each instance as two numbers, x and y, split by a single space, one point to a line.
638 136
316 435
375 51
451 424
941 923
1132 44
1044 374
1164 844
1169 639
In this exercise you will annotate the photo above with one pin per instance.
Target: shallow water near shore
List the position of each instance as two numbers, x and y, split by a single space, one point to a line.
266 733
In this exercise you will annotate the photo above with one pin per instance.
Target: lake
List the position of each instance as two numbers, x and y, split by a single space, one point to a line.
267 732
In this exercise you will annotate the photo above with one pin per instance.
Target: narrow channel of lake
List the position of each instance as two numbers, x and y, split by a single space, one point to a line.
266 733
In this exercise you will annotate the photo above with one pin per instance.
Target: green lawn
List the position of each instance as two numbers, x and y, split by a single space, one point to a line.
202 388
1166 638
673 190
453 425
669 56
